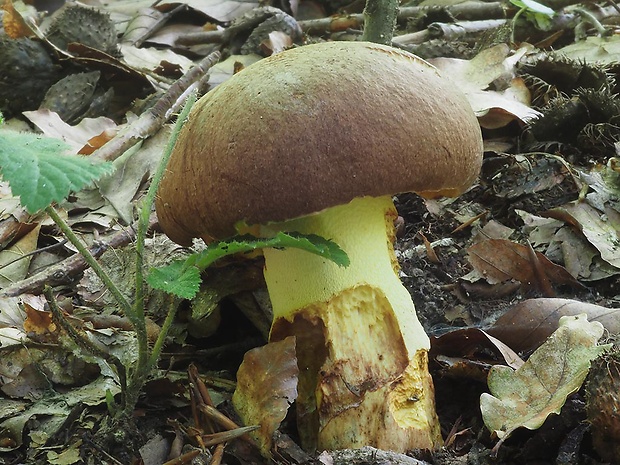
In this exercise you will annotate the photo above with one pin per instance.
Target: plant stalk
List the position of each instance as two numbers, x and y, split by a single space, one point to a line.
380 20
144 363
92 261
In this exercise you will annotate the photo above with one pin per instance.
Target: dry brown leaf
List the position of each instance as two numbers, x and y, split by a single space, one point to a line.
38 322
528 324
266 387
500 260
13 22
473 344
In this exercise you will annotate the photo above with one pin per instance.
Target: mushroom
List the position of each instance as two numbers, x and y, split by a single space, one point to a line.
316 140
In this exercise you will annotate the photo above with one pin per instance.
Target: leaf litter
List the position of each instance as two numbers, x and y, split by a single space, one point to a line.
565 203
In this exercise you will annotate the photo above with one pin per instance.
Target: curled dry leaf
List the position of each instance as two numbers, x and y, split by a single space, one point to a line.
488 80
266 387
470 343
600 228
527 396
529 323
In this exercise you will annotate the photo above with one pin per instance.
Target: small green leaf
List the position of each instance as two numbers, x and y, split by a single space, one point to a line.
243 244
182 278
177 279
40 171
534 7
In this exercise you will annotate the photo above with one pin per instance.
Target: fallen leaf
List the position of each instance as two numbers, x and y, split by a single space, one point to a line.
77 137
499 260
604 50
15 260
225 69
150 58
266 387
489 83
599 227
524 398
221 10
529 323
52 410
14 24
474 344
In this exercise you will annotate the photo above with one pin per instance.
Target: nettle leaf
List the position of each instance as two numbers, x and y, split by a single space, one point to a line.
527 396
177 279
182 278
39 170
243 244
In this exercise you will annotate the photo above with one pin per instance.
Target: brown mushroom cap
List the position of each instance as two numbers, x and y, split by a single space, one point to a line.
315 127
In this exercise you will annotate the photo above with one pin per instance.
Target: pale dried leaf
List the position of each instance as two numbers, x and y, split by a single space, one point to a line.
489 83
524 398
604 50
15 261
599 227
225 69
221 10
78 136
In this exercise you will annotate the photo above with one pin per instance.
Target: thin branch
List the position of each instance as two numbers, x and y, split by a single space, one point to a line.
152 120
71 267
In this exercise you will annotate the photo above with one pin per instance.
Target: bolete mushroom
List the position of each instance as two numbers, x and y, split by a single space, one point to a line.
316 140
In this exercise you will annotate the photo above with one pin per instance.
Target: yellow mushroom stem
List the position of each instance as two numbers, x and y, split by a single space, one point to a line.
361 350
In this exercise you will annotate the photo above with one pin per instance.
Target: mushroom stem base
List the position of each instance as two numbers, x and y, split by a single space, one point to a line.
361 351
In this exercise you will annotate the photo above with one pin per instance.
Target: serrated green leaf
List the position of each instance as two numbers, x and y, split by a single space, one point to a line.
182 278
177 278
242 244
39 170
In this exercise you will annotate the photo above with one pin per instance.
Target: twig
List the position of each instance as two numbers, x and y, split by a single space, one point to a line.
471 10
70 267
452 31
82 340
151 120
225 436
35 252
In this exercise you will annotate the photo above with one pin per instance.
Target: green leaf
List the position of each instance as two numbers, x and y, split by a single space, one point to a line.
40 171
177 279
243 244
182 278
534 7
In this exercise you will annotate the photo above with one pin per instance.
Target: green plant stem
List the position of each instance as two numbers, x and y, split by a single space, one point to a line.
513 32
92 261
161 338
594 22
143 364
380 20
